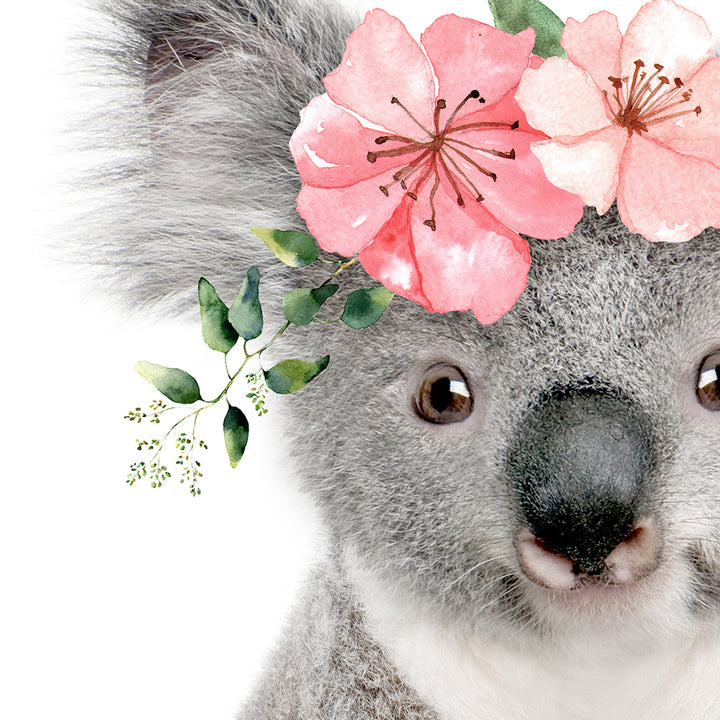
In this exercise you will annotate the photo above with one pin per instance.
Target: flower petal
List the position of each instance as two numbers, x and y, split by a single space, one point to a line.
664 195
390 258
587 167
471 261
520 195
344 220
469 55
665 33
330 147
594 45
561 99
691 134
382 61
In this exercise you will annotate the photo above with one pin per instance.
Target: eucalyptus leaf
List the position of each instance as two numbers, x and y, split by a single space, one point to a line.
301 305
173 383
514 16
235 430
293 248
289 376
364 307
245 314
217 332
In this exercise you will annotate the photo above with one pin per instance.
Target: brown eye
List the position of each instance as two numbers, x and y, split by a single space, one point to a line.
443 395
708 382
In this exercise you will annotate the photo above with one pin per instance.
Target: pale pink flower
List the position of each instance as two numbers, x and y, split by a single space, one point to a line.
419 159
634 117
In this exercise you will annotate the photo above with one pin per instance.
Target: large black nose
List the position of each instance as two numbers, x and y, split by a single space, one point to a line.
578 465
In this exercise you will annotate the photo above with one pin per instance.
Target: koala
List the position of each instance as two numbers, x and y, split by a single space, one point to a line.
523 518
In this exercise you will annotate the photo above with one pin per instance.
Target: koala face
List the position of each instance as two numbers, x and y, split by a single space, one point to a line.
549 471
548 474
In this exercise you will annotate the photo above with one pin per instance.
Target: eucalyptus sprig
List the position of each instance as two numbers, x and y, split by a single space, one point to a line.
223 329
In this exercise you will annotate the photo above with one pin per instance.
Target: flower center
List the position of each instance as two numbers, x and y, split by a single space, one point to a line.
439 153
646 100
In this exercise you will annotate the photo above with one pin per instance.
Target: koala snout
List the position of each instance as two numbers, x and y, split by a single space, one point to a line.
580 466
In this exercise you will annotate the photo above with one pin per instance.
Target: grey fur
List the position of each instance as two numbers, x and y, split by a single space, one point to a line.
328 667
427 510
203 144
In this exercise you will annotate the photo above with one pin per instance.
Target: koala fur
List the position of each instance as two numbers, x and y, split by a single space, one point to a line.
423 609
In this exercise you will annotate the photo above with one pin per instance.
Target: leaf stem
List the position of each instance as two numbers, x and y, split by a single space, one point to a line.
344 266
257 353
161 444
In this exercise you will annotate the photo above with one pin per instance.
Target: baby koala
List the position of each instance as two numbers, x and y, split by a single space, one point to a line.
523 517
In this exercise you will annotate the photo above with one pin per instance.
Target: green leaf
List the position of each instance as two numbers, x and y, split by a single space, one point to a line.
235 429
364 307
245 313
289 376
173 383
217 332
514 16
293 248
301 305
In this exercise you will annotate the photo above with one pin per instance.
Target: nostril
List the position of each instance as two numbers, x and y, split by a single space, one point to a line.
544 566
636 556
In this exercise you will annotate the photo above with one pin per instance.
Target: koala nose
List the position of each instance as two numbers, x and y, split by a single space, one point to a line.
578 465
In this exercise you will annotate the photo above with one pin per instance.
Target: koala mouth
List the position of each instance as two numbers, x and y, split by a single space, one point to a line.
635 557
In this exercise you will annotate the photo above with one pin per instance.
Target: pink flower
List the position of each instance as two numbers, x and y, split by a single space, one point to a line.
419 159
637 117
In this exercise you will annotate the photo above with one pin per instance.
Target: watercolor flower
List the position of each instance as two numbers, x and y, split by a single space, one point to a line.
634 117
418 159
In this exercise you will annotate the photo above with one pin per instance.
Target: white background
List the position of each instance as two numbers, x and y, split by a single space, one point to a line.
121 602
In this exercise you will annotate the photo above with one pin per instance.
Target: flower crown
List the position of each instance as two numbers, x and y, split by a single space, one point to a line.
427 163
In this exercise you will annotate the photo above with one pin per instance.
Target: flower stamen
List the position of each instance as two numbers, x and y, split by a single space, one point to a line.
451 180
405 173
697 110
475 126
473 94
439 106
478 194
423 179
662 107
663 81
484 171
430 222
509 155
433 155
645 85
638 64
617 83
395 152
649 99
384 138
395 101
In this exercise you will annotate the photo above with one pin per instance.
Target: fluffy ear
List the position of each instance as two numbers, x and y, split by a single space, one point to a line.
217 87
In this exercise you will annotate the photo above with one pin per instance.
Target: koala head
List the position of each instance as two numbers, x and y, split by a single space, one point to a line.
504 473
553 471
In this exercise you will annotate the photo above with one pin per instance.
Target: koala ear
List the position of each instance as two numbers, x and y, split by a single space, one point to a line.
218 92
176 44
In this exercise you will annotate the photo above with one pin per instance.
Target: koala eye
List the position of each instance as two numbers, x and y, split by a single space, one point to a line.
708 382
443 395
